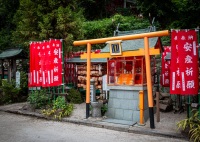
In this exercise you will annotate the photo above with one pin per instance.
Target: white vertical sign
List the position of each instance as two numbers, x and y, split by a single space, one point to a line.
17 79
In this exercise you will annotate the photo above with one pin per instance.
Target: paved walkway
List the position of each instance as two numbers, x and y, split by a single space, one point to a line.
166 127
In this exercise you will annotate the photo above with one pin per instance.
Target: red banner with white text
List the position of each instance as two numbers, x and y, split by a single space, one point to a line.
45 63
35 65
165 71
189 72
184 73
56 61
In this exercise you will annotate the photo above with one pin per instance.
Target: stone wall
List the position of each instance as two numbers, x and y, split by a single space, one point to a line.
123 103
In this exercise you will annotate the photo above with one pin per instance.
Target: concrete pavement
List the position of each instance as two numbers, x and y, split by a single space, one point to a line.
165 128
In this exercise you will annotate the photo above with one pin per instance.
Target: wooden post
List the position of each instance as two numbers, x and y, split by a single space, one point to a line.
88 80
189 106
149 82
157 106
2 69
141 106
63 65
199 104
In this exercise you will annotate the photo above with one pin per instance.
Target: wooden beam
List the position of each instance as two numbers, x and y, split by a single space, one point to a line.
126 37
139 52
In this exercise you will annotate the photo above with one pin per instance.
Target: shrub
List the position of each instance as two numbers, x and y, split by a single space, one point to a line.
23 83
74 96
9 94
193 125
38 98
104 109
59 109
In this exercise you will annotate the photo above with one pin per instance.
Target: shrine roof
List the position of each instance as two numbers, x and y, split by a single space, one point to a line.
131 45
78 60
13 53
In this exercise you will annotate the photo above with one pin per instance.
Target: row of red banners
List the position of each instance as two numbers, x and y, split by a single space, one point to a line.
45 63
181 74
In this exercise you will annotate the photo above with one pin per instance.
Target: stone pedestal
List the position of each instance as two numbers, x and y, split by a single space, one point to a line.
124 102
96 109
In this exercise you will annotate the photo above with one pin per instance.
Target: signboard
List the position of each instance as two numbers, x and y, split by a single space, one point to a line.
45 63
165 71
104 79
115 47
35 64
92 91
17 79
184 71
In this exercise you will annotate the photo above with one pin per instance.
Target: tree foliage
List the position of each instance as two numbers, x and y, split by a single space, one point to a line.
172 13
27 20
7 11
41 20
105 27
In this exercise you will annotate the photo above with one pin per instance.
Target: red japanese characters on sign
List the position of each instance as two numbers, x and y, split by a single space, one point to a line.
45 63
165 72
184 77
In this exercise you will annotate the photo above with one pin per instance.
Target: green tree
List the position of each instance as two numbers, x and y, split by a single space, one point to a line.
100 9
7 11
187 14
44 19
105 27
162 11
172 13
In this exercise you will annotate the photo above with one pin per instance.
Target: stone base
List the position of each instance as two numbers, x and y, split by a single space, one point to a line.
96 109
123 104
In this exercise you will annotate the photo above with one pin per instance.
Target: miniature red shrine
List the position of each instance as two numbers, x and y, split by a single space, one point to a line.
126 71
130 87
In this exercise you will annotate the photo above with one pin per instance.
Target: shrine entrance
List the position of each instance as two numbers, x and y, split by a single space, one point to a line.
121 85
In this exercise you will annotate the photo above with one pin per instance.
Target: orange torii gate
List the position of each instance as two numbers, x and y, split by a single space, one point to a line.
146 52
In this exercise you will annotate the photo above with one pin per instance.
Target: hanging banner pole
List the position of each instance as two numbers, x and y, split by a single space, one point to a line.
63 63
189 106
198 38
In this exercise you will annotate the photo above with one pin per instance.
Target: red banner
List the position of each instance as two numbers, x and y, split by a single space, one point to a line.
45 63
189 57
35 65
30 76
56 62
175 86
184 73
165 71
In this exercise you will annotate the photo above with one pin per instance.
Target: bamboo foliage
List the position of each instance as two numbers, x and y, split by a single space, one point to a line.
193 124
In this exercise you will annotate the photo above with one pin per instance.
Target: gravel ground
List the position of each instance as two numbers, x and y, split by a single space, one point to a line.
167 122
18 128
